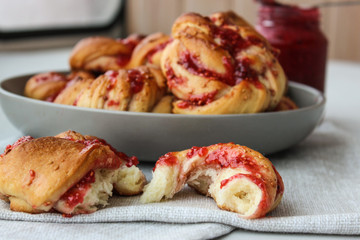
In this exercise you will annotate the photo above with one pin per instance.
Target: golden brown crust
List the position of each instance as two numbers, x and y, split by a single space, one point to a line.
137 90
149 50
37 172
99 54
220 65
45 85
164 105
80 75
238 178
285 104
72 90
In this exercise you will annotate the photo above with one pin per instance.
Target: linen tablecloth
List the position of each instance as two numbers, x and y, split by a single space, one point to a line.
321 177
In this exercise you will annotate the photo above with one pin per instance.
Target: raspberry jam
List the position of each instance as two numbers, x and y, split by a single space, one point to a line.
201 151
123 59
20 141
155 50
112 75
168 159
136 79
76 194
296 33
227 156
194 65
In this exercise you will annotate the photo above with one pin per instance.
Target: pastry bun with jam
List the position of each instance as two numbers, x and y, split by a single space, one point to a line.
69 173
138 90
221 65
100 54
46 86
238 178
72 90
149 50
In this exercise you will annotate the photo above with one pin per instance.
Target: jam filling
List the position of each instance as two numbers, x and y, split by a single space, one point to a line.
158 48
237 69
172 79
243 71
194 66
112 75
168 160
113 78
227 157
201 151
76 194
232 41
20 141
112 103
136 79
131 42
32 175
198 100
122 59
130 161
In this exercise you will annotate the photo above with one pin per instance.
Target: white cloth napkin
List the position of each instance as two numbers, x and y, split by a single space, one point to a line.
322 193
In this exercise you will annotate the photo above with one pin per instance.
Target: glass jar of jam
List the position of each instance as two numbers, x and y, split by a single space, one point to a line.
295 32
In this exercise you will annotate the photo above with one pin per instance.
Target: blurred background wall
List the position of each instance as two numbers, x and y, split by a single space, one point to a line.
341 24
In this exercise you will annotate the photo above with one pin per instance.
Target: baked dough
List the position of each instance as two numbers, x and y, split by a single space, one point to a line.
47 86
100 54
285 104
149 50
238 178
69 173
136 90
221 65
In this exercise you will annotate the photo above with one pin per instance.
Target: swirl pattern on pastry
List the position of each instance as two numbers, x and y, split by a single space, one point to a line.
47 86
220 65
136 90
100 54
238 178
149 50
72 90
70 173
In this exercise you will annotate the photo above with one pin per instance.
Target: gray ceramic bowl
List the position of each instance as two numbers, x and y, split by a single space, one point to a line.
149 135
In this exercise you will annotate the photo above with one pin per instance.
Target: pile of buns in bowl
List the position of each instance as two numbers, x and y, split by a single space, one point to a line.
209 65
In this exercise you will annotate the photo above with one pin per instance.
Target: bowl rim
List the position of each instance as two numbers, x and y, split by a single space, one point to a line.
320 101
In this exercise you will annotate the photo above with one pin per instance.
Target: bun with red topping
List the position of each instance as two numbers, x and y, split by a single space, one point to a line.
46 86
69 173
100 54
221 65
238 178
149 50
137 90
72 90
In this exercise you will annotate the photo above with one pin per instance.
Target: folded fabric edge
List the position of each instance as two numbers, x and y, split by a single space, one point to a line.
338 224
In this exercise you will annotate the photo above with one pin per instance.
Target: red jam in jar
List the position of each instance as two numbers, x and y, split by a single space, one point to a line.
296 33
